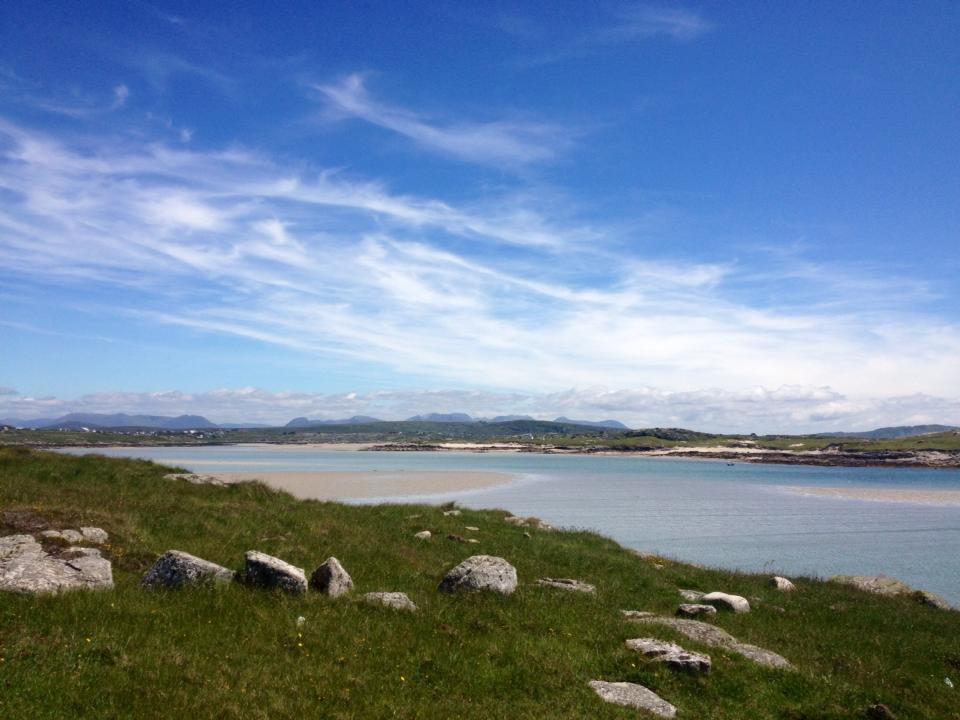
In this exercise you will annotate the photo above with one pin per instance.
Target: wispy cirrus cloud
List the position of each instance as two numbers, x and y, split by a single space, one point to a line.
232 242
499 142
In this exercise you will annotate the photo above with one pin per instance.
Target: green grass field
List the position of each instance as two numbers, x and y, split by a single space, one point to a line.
238 652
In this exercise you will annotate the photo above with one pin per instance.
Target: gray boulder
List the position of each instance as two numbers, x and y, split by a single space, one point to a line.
691 595
481 572
95 535
633 696
725 601
267 571
423 535
26 568
175 569
72 536
331 579
395 600
782 584
693 610
567 584
670 654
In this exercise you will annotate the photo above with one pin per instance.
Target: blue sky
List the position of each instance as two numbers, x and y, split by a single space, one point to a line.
740 216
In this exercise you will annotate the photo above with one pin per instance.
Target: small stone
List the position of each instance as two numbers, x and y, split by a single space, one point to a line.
52 535
527 535
423 535
395 600
514 520
331 579
633 696
693 610
691 595
473 541
671 654
567 584
267 571
636 614
414 516
481 572
72 536
471 528
95 535
782 584
175 569
451 513
725 601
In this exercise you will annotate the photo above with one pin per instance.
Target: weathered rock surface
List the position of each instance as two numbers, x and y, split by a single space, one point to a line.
691 610
331 579
395 600
691 595
567 584
423 535
533 522
175 569
267 571
633 696
637 614
72 536
883 585
481 572
26 568
715 637
671 654
196 478
725 601
95 535
782 584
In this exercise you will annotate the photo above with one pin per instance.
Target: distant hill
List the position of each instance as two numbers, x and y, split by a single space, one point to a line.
244 426
670 434
21 423
442 418
615 424
509 418
355 420
119 420
892 433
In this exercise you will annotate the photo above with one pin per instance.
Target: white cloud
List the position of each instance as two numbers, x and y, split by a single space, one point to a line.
501 142
640 21
120 94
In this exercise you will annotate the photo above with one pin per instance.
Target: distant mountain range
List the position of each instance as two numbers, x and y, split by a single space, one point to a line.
117 420
891 433
355 420
614 424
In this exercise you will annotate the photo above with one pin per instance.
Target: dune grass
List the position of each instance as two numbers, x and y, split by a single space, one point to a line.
239 653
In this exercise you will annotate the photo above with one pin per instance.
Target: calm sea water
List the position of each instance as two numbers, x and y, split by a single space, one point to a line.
741 516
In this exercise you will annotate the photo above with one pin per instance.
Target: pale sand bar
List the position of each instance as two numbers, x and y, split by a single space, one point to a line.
926 497
338 485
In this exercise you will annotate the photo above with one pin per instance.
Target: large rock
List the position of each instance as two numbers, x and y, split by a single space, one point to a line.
725 601
481 572
782 584
883 585
712 635
25 567
692 610
267 571
175 569
331 579
633 696
567 584
670 654
395 600
95 535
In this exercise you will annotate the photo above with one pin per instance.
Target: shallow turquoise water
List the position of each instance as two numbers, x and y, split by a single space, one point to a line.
696 510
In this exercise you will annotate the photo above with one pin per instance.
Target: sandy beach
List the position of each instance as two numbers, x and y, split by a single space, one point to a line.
337 485
925 497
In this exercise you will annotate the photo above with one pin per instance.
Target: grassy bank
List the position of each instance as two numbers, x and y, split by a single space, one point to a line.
238 653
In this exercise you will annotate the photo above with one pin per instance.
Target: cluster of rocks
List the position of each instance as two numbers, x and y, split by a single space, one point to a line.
884 585
26 566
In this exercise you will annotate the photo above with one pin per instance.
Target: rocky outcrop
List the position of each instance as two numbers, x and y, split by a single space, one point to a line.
691 610
95 535
670 654
267 571
481 572
711 635
725 601
633 696
782 584
567 584
533 522
691 595
176 569
395 600
25 567
331 579
883 585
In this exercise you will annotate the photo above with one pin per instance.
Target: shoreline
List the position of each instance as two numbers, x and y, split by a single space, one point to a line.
359 484
939 498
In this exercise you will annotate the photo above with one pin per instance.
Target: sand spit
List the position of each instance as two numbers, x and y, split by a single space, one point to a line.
338 485
891 495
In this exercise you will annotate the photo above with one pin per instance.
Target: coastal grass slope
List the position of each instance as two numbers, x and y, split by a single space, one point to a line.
238 652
